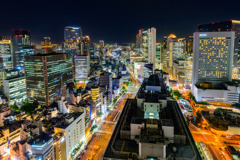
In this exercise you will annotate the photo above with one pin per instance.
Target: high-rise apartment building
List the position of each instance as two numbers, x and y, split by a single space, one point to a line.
231 25
212 57
45 76
5 52
21 46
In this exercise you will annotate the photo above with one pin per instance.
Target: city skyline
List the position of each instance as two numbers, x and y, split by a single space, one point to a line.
136 80
113 22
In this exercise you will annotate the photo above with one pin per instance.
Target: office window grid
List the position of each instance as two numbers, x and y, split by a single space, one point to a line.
214 58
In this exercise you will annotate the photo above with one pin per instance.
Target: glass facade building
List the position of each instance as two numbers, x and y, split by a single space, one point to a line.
15 89
212 57
5 52
21 46
231 25
72 39
45 76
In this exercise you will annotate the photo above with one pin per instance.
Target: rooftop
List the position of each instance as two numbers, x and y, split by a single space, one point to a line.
40 140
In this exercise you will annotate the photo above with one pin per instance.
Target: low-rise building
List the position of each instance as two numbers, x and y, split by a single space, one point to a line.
15 89
74 130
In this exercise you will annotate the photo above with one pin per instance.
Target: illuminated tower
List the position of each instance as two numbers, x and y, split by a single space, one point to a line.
230 25
95 93
176 52
72 38
101 43
147 44
212 57
72 33
21 46
5 53
85 46
46 74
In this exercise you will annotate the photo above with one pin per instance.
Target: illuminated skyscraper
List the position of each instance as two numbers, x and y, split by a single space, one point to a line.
231 25
147 43
212 57
45 76
176 48
72 38
190 47
72 33
5 52
85 46
21 46
158 56
101 43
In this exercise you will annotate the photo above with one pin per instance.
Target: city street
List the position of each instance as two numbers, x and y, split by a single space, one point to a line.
97 145
216 144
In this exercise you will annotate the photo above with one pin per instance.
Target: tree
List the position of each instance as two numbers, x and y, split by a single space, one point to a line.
35 103
176 94
93 128
191 96
28 108
14 107
99 114
198 118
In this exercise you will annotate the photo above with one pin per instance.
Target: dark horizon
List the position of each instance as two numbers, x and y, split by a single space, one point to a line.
112 21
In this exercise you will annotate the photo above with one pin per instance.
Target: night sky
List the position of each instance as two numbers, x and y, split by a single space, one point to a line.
112 20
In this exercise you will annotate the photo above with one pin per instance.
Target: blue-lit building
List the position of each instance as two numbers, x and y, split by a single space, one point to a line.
21 46
72 38
41 147
5 52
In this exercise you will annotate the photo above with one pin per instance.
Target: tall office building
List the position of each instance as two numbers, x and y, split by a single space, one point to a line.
105 84
72 33
45 76
85 46
72 38
5 52
190 47
21 46
101 43
147 43
176 50
231 25
164 55
105 81
212 57
92 51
